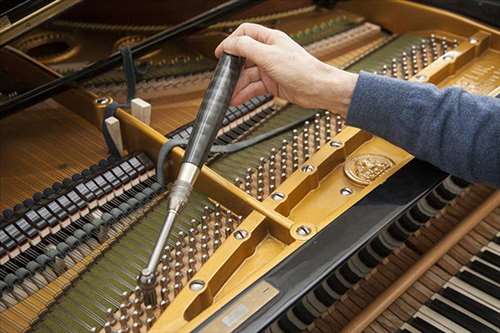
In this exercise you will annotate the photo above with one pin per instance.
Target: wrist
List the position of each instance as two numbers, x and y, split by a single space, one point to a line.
338 87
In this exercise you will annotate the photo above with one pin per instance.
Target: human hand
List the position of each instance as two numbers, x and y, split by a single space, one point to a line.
277 65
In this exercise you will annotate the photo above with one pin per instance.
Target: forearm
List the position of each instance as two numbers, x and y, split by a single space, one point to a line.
456 131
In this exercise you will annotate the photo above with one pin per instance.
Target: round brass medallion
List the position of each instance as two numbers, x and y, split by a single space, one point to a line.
363 169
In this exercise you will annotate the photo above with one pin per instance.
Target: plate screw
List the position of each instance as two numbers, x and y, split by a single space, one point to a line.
278 196
346 191
336 144
240 234
307 168
303 230
197 285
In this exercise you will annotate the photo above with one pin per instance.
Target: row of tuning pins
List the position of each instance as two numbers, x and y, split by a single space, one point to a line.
280 163
179 262
417 57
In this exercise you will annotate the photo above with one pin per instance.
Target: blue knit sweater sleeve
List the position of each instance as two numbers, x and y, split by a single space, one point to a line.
450 128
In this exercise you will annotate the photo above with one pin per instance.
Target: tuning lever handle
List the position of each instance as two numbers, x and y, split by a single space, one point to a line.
213 107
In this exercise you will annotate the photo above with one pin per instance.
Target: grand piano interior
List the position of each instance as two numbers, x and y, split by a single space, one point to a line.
321 228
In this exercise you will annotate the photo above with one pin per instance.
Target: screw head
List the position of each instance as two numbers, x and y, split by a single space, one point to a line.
448 57
103 101
197 285
303 230
240 234
346 191
336 144
473 41
278 196
307 168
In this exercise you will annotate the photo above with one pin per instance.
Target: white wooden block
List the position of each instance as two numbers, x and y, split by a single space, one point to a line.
113 125
141 110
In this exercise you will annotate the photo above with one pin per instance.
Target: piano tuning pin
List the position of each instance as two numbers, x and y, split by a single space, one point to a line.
136 328
165 269
179 265
164 259
164 282
227 232
181 235
237 182
164 293
206 211
179 256
204 248
163 305
167 250
123 309
137 306
204 232
110 316
136 317
193 231
108 327
138 292
124 324
190 273
191 252
178 277
216 244
192 263
177 288
150 312
149 323
204 258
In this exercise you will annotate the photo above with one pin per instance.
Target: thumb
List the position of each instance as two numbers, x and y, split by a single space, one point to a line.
243 46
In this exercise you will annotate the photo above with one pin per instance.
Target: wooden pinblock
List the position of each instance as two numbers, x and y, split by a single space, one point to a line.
113 125
141 110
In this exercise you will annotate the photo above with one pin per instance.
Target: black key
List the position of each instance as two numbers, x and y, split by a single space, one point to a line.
398 232
490 257
287 326
423 326
336 285
57 210
23 226
367 258
35 220
473 306
15 234
377 245
480 283
444 193
458 317
7 242
408 223
302 313
323 296
485 270
348 274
